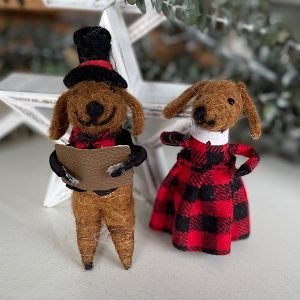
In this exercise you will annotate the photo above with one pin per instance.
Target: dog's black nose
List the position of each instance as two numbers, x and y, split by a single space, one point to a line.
94 109
199 113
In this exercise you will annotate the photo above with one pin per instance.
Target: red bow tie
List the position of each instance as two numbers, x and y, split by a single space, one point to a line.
82 140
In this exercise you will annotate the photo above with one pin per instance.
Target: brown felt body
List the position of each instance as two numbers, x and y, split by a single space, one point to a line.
89 166
116 211
97 102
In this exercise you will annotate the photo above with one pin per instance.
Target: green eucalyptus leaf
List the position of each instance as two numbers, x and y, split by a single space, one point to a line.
158 5
202 19
141 5
201 22
269 111
181 14
131 2
178 2
168 11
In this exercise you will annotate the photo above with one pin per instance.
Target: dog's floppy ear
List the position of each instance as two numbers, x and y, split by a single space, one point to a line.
180 102
137 112
60 122
250 111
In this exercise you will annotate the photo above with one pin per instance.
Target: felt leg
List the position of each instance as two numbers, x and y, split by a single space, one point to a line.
119 217
124 243
88 225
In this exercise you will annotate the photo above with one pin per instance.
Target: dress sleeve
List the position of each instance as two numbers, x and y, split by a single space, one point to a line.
251 163
175 138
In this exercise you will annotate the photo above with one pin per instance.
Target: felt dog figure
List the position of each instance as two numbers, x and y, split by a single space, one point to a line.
96 106
203 201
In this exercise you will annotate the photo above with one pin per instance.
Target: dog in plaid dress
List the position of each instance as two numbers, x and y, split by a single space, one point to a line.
203 202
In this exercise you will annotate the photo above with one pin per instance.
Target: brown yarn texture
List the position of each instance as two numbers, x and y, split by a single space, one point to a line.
116 209
72 105
213 96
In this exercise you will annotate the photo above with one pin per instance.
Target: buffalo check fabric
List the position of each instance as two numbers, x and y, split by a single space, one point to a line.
203 202
82 140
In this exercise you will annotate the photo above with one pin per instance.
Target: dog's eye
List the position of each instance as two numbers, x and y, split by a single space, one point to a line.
112 88
230 101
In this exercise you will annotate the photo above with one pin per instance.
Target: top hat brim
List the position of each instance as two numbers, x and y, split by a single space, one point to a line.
94 73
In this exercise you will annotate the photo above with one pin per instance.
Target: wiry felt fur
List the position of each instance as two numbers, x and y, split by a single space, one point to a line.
214 96
71 106
115 209
60 122
250 112
203 202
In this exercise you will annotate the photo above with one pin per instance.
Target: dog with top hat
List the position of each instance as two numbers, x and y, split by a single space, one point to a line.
95 104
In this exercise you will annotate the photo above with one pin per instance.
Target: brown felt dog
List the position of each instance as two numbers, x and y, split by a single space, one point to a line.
217 105
203 201
90 208
96 106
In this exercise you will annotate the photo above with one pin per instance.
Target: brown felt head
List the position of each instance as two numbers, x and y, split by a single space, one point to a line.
217 105
95 107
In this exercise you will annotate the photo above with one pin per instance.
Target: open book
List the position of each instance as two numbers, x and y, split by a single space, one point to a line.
89 166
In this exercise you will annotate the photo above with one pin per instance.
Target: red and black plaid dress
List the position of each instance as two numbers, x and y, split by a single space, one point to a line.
201 201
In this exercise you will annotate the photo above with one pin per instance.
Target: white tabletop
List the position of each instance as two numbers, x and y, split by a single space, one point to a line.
40 259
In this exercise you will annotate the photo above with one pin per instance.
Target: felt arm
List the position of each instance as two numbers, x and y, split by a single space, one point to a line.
137 156
56 166
174 138
138 153
59 170
251 163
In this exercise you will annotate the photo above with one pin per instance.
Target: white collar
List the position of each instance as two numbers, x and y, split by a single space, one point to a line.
214 137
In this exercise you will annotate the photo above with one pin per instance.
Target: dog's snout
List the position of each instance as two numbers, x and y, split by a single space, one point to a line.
94 109
200 113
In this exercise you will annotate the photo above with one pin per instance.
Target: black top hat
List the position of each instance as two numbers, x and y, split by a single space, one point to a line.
93 47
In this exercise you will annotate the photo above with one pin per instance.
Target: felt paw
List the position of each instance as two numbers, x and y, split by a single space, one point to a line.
116 170
88 266
70 178
242 171
127 265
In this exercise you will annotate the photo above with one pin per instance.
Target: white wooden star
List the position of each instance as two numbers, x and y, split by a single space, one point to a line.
9 120
152 95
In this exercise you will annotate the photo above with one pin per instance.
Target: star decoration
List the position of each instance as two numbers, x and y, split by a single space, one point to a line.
35 93
9 120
